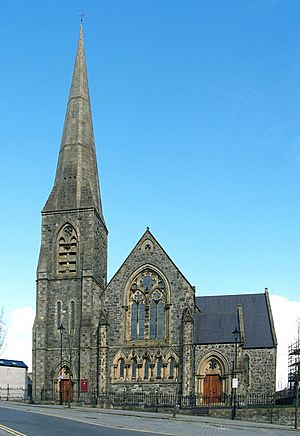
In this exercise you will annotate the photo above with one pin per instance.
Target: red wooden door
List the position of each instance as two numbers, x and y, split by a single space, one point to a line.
212 389
66 385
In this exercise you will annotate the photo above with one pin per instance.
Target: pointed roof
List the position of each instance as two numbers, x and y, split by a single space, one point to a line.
218 316
76 183
148 235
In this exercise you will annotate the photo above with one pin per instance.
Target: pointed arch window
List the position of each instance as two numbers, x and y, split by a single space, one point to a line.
147 301
247 370
121 368
137 318
58 314
133 369
67 249
157 317
171 367
146 368
72 316
158 367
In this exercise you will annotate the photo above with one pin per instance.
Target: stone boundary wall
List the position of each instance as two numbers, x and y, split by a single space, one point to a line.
276 415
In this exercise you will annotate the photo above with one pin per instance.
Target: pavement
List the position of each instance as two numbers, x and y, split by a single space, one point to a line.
94 413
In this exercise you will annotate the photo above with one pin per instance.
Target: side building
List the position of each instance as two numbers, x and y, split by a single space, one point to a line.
145 331
13 380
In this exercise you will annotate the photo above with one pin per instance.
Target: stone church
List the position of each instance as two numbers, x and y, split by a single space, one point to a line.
145 330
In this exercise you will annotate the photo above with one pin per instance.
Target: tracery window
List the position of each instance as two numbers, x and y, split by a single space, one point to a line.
147 302
67 251
137 317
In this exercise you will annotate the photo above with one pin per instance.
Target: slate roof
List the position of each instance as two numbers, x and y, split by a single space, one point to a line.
218 316
13 363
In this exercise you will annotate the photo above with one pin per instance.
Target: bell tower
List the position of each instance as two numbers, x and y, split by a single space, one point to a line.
72 266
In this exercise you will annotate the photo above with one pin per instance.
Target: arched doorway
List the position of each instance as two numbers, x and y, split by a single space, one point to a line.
65 386
212 379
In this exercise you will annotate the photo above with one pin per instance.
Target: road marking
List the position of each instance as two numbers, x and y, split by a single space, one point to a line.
11 430
85 420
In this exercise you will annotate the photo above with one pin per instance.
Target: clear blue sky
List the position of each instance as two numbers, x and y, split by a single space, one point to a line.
196 113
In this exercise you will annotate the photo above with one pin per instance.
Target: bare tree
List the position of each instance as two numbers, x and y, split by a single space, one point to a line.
3 331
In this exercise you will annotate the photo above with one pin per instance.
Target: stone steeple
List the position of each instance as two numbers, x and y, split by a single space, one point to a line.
76 183
72 267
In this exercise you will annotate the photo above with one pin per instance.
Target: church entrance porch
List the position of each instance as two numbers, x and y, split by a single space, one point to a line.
66 390
65 386
212 379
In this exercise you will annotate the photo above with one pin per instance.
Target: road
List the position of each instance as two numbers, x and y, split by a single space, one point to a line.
35 420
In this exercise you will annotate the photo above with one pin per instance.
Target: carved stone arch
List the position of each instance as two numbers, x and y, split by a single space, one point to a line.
158 353
120 362
140 270
103 320
171 365
67 223
133 354
219 357
62 373
171 353
146 354
187 315
67 250
120 355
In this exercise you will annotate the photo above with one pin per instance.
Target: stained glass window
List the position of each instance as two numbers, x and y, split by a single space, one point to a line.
146 369
172 367
141 320
158 368
122 367
134 317
147 298
133 369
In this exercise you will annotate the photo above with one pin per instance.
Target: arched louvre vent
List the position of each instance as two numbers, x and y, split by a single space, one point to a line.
67 251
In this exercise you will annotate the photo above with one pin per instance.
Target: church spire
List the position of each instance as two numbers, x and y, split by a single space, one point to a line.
76 183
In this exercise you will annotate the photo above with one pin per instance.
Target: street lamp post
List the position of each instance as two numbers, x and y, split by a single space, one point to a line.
236 334
61 329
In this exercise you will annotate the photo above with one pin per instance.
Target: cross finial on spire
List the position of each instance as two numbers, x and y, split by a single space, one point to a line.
81 15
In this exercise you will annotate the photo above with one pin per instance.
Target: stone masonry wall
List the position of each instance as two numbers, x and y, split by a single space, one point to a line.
181 297
85 288
262 366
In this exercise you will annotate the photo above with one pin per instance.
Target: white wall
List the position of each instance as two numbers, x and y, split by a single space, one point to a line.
17 380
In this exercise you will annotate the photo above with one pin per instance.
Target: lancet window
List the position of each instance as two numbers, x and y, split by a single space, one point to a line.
121 368
171 367
146 368
58 314
72 316
147 303
67 251
133 369
158 367
247 369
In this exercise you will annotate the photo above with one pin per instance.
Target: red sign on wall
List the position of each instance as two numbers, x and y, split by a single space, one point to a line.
84 385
